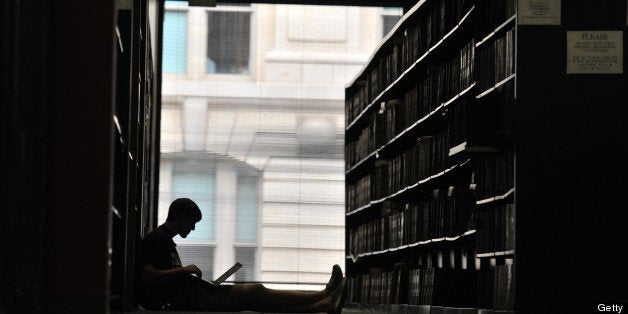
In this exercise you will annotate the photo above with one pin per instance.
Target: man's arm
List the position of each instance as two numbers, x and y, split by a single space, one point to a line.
152 275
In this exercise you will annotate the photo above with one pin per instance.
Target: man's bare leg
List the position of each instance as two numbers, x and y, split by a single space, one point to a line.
257 295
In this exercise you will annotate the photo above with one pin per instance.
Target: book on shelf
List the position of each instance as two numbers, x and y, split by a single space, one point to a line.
503 291
496 229
496 61
495 288
494 173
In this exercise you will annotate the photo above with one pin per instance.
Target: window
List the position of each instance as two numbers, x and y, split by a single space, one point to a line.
192 182
175 41
390 16
246 209
246 256
227 193
200 255
228 39
263 106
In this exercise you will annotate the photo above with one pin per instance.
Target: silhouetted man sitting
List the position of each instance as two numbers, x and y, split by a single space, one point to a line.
166 284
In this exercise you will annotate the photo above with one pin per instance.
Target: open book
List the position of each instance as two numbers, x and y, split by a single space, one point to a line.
222 277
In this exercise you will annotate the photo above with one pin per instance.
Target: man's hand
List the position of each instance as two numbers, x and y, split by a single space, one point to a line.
152 275
192 269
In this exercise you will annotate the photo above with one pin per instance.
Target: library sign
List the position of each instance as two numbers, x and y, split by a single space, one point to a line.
538 12
590 52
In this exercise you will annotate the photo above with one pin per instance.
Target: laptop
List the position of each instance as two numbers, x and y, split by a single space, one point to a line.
222 277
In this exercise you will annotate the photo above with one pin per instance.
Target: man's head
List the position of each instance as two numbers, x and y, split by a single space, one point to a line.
183 215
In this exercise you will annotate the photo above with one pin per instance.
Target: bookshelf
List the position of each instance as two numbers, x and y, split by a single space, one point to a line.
478 145
135 152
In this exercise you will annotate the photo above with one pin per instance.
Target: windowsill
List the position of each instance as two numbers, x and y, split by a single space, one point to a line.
208 77
228 77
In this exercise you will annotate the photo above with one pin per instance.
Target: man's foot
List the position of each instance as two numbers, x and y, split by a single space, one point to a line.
336 277
338 298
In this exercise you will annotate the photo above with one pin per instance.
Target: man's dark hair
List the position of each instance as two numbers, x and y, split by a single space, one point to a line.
183 207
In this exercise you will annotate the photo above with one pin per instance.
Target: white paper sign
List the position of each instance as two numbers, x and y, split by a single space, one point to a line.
595 52
538 12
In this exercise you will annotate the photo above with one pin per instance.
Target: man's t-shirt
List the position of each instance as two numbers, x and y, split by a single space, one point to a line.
159 250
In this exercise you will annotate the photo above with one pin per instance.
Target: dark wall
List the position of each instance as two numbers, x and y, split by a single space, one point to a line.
570 177
57 77
24 146
82 76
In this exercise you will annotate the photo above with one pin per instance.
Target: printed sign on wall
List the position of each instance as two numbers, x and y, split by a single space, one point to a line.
538 12
595 52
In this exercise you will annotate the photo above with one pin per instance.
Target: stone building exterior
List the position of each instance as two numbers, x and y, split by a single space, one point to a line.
253 129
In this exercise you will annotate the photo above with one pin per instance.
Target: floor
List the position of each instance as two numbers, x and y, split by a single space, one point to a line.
186 312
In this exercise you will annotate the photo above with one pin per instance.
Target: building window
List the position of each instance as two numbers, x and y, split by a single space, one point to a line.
191 180
228 39
390 16
246 208
228 195
174 41
200 255
246 256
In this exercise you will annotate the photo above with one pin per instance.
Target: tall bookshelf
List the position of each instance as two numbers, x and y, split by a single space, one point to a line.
135 146
479 146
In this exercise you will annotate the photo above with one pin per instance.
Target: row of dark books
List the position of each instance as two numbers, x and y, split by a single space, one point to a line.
424 159
468 288
422 286
491 14
404 49
444 215
496 61
358 194
496 228
357 101
377 288
494 173
430 26
363 146
442 83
